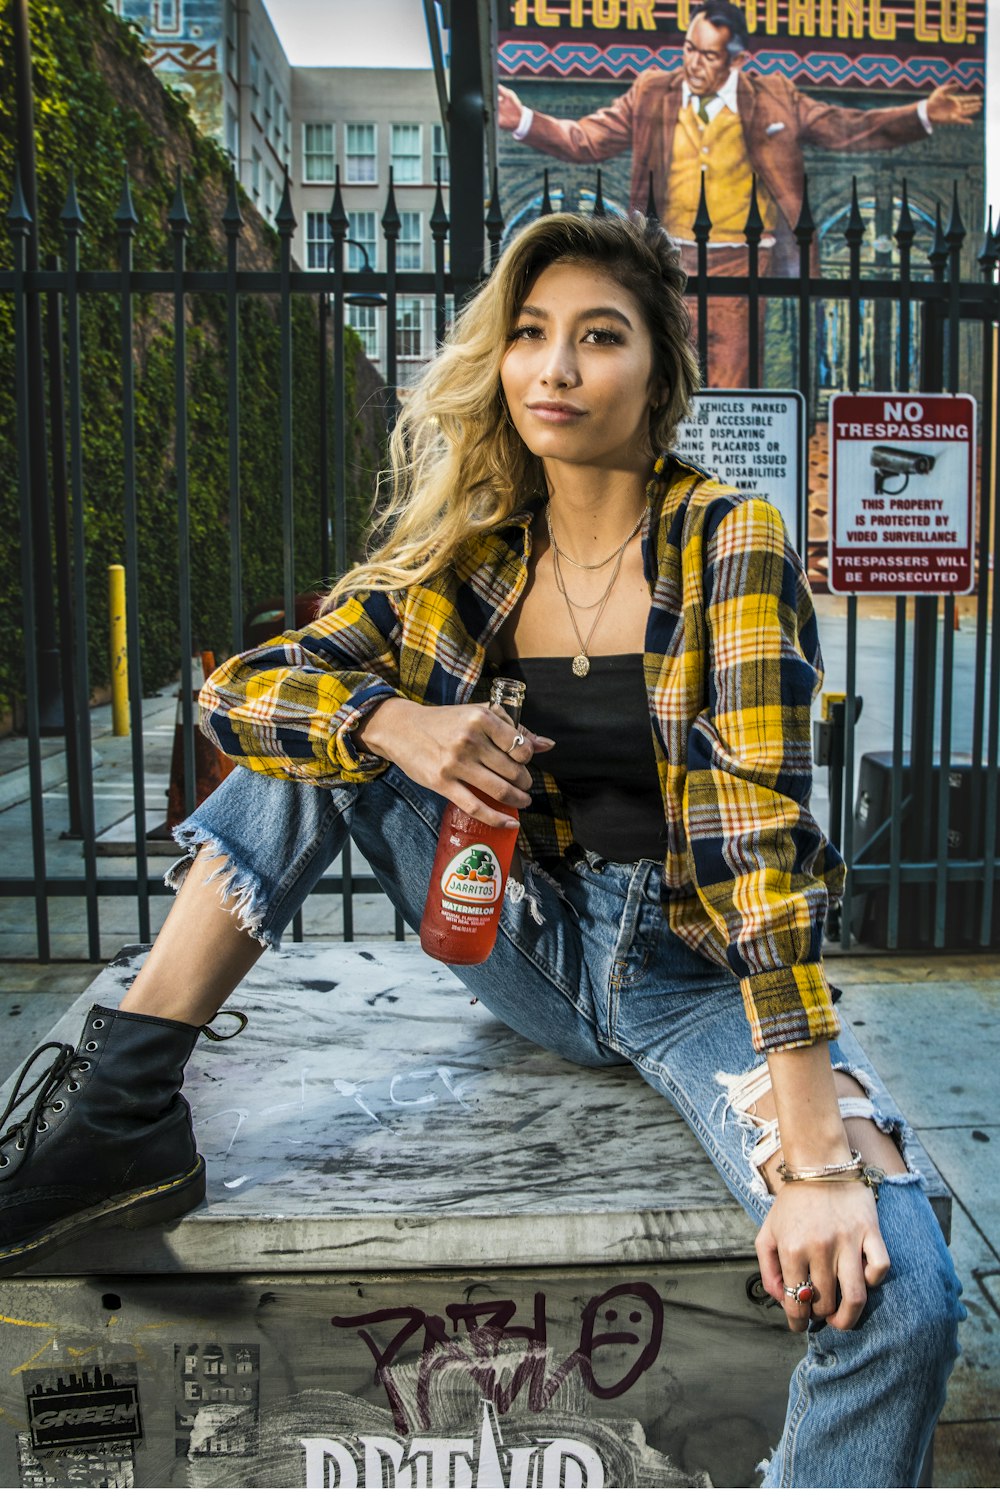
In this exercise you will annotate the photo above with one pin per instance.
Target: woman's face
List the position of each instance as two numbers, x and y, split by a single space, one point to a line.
577 374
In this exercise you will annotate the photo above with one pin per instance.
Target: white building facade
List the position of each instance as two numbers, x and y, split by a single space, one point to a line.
225 58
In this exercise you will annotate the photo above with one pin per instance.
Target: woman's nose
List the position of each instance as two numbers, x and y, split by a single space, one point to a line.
560 367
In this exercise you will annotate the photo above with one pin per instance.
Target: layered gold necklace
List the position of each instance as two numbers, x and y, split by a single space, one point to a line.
581 662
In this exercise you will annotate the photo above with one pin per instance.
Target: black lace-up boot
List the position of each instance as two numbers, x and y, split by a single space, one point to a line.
106 1139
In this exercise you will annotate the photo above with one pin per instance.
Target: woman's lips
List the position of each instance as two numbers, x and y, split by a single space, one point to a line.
554 411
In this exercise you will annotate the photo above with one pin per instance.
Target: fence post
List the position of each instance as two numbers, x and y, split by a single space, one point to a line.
72 222
467 135
19 225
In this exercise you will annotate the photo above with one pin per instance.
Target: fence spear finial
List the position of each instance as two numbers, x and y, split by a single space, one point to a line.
494 213
72 215
955 233
18 217
337 217
599 210
125 215
905 231
854 230
938 253
439 216
805 226
990 252
232 217
652 212
546 205
285 217
754 226
702 226
178 218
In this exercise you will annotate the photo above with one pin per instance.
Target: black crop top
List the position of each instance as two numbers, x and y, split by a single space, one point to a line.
603 761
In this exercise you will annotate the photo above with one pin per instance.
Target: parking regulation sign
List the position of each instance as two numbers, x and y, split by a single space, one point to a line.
902 487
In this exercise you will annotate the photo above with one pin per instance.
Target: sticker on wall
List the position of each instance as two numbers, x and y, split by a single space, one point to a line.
78 1408
103 1466
217 1400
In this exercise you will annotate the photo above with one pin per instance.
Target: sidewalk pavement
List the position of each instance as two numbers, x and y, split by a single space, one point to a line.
931 1024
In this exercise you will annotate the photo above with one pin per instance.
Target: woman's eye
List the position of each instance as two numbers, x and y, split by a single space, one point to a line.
526 331
604 335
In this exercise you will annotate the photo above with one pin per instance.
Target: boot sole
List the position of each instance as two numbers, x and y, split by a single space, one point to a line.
137 1210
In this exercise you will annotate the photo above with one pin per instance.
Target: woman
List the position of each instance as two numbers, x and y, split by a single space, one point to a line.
672 883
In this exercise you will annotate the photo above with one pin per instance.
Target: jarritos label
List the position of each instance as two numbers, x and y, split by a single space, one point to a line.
472 879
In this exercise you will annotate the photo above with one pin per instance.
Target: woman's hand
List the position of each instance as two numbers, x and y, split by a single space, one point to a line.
828 1233
460 751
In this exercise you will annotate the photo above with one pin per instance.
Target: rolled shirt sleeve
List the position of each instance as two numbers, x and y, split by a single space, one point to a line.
290 708
763 869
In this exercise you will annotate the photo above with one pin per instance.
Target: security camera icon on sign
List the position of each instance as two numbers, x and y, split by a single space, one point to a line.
898 463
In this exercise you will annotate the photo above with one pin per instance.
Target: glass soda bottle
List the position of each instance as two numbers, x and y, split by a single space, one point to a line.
470 868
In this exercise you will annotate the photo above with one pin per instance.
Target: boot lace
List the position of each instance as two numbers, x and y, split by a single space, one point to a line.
44 1088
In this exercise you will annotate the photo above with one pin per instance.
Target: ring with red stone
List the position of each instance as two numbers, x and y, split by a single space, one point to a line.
805 1292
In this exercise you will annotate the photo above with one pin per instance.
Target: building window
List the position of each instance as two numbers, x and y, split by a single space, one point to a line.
255 72
410 245
286 136
407 153
361 227
364 321
442 166
268 97
318 241
317 153
269 195
255 166
409 328
360 154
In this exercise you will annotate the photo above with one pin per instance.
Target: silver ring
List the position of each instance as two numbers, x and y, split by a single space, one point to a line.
518 740
804 1293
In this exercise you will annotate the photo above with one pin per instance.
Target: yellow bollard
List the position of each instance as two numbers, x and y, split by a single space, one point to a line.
118 650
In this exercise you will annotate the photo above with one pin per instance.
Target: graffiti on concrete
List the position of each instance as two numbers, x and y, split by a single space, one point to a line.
477 1461
333 1441
620 1334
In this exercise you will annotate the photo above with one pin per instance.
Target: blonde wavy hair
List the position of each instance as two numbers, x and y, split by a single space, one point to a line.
457 466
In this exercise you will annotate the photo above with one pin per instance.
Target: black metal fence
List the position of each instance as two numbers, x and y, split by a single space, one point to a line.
922 872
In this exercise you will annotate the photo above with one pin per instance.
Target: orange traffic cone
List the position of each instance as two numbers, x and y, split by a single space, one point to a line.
211 767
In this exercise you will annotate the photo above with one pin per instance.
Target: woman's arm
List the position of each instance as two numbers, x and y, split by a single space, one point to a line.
764 873
291 708
760 862
324 704
827 1232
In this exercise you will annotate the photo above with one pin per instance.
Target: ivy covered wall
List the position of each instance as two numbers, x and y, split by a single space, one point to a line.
98 106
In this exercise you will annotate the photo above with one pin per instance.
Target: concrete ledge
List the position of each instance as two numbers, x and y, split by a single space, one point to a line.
370 1118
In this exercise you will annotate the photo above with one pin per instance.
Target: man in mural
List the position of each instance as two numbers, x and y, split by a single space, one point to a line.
710 116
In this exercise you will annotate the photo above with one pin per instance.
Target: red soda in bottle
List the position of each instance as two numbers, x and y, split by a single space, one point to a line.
470 868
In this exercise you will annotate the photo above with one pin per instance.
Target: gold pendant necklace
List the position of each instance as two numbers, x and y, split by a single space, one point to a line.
581 662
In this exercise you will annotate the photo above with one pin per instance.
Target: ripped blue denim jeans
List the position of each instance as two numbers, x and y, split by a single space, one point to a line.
585 965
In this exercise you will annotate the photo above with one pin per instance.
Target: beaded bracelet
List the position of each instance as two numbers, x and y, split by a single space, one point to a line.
818 1174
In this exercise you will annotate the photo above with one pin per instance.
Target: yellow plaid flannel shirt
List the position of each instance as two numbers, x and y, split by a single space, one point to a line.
732 663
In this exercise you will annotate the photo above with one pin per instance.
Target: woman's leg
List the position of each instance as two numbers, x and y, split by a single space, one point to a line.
255 849
105 1136
863 1402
